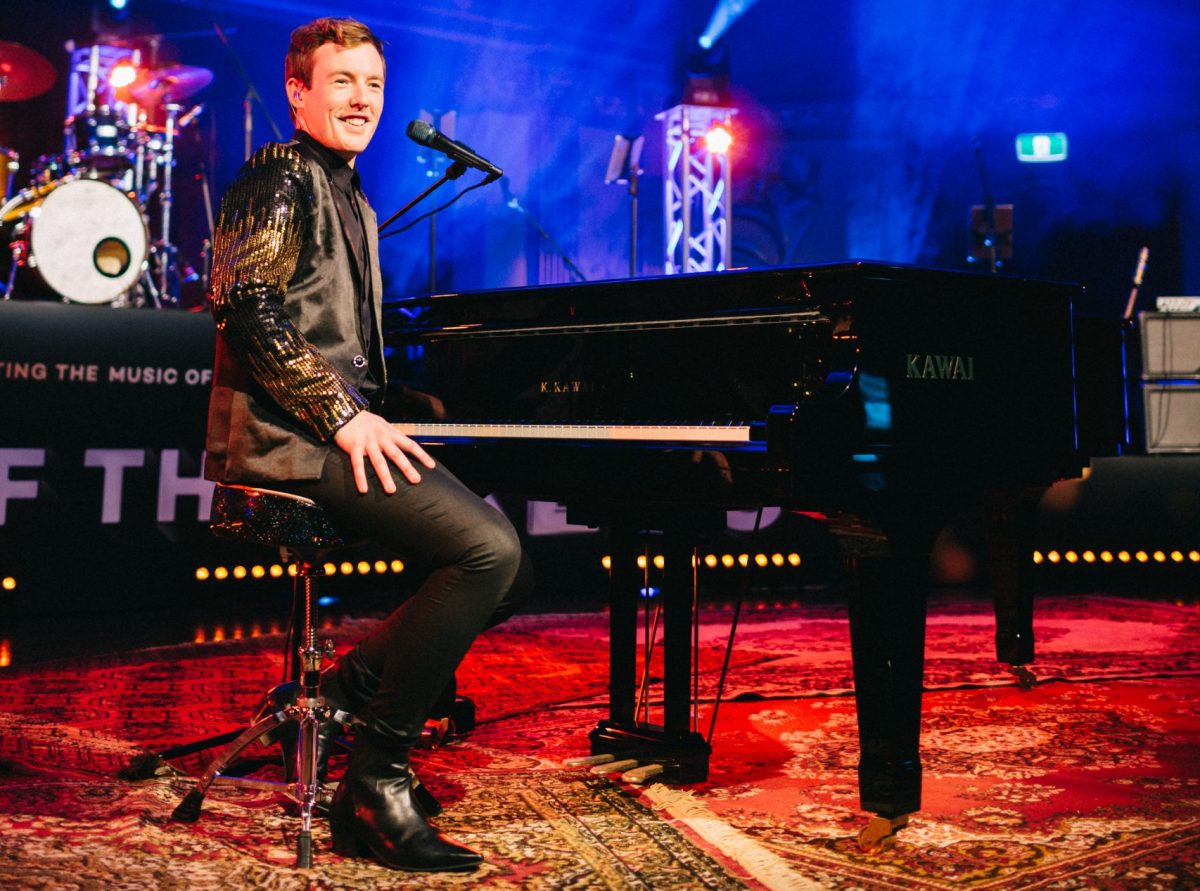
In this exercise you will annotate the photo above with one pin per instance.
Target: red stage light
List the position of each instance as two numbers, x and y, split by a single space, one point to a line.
718 139
122 75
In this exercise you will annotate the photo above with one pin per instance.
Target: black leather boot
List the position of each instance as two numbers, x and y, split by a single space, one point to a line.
375 813
347 686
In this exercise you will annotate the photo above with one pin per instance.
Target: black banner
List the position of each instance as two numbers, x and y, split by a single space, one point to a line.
101 446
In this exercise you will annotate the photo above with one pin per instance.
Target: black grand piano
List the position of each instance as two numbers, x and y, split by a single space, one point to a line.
899 394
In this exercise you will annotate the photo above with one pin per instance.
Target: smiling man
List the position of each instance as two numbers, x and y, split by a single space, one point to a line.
295 292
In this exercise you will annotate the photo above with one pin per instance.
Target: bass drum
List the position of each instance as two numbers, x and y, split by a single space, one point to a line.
83 239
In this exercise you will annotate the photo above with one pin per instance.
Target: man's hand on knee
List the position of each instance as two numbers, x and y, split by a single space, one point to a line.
368 437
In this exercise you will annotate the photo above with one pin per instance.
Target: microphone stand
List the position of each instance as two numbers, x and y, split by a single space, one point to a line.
454 171
1127 335
510 200
252 96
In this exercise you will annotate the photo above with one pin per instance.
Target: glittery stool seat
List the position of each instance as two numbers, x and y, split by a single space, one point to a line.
304 535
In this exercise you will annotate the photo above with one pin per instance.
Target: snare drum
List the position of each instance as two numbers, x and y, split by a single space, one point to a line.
83 239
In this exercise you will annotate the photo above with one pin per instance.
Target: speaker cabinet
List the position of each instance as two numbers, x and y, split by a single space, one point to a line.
1170 345
1172 418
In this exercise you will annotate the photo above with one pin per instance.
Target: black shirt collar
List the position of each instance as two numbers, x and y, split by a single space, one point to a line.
344 176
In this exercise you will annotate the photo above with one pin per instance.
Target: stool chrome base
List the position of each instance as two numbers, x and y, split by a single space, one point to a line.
308 714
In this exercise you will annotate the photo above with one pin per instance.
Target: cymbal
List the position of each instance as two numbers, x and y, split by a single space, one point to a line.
24 73
166 85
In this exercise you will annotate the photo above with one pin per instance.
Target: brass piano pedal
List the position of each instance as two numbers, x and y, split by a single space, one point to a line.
880 834
639 775
589 760
615 766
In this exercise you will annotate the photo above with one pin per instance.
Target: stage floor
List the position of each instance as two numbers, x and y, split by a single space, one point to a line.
1086 780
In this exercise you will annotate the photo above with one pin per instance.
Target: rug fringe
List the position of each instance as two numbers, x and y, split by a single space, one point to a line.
770 870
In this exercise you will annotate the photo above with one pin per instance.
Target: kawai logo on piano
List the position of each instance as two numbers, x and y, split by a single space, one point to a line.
567 387
928 366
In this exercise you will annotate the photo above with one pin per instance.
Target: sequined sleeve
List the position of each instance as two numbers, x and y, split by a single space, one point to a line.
263 225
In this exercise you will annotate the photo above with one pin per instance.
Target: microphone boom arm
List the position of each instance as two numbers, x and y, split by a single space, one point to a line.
454 171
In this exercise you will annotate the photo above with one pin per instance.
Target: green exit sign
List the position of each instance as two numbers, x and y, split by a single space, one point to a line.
1040 148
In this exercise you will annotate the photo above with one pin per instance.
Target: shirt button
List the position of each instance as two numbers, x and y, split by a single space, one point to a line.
359 361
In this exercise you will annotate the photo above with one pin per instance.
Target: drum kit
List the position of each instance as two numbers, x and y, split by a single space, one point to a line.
83 230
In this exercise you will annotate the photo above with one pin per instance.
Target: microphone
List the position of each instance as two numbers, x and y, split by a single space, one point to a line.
425 134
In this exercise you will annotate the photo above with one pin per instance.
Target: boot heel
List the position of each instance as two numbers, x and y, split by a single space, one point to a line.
345 842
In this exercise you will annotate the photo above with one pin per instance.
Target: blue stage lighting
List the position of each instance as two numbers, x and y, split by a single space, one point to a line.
724 14
118 4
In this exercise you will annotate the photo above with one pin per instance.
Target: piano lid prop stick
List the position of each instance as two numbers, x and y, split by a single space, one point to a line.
1143 256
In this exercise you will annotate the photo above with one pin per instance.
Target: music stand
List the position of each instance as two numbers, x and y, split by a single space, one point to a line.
624 167
990 234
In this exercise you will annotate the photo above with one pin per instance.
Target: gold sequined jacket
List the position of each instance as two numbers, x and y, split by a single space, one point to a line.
292 361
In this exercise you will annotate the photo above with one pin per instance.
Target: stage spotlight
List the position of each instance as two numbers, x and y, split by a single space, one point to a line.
706 77
122 75
724 14
718 139
111 12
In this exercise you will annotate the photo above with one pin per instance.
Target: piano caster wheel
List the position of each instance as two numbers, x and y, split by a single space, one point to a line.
880 834
1026 679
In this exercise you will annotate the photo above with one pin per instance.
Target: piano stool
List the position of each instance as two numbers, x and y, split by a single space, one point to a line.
305 536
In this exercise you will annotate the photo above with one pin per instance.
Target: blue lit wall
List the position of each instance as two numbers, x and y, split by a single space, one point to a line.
859 125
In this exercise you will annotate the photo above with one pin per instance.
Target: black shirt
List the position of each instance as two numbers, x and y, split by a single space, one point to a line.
347 192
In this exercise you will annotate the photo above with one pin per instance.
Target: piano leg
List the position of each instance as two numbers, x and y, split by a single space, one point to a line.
626 581
887 639
682 753
1009 525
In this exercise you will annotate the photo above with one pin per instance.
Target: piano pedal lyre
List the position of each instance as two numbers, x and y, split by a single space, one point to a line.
880 833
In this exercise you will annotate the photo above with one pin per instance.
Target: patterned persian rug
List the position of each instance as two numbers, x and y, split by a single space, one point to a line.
1090 780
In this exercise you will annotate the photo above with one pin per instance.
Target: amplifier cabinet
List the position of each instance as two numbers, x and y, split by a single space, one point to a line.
1170 345
1172 418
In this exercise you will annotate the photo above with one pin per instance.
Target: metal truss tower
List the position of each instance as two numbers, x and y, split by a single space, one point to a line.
696 190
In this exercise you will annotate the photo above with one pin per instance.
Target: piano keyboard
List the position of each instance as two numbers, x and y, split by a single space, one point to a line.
700 433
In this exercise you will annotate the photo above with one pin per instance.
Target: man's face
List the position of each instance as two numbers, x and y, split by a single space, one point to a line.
341 109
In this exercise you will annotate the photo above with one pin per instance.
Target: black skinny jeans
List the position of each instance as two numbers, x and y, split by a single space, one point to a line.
478 575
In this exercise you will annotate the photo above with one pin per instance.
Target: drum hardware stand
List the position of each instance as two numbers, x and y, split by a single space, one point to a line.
252 96
167 252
